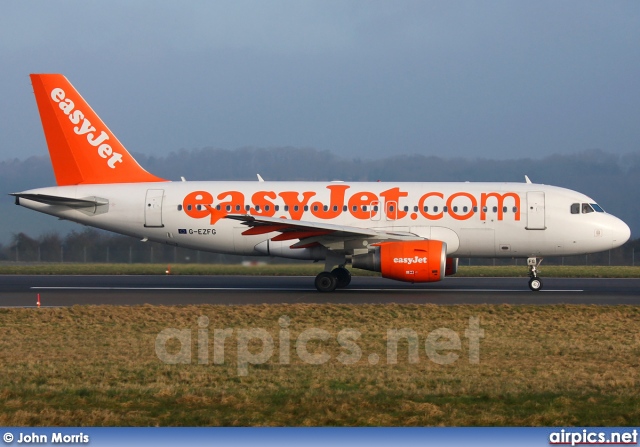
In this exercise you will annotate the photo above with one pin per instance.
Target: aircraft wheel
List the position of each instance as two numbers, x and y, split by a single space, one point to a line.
326 282
535 284
343 275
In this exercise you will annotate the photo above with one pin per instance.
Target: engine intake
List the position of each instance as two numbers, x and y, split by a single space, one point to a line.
409 261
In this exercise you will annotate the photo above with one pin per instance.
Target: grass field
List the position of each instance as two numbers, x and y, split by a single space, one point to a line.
538 365
298 269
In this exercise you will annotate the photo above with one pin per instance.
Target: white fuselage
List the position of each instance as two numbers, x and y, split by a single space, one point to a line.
474 219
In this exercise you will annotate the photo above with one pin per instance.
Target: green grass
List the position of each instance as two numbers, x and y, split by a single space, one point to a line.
297 270
539 366
554 271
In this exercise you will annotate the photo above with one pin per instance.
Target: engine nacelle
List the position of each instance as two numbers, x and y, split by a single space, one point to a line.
451 267
409 261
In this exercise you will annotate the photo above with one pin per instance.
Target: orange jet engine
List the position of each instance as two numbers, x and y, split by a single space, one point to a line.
409 261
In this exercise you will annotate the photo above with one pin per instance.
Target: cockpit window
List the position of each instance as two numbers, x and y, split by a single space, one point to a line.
586 208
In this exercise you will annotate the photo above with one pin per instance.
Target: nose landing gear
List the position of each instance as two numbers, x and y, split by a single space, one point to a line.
535 283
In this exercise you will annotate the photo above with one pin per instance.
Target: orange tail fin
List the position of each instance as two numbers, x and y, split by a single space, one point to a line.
81 146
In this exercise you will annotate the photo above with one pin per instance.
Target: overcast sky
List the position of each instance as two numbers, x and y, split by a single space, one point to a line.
361 78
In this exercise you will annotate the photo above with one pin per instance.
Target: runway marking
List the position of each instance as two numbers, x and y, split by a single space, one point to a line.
285 289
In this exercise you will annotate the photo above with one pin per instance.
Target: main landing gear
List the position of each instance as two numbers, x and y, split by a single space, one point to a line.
330 281
535 283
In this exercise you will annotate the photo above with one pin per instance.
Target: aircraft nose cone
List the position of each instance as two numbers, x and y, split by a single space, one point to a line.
621 233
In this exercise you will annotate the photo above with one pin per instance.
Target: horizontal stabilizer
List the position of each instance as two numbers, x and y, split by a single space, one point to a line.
61 201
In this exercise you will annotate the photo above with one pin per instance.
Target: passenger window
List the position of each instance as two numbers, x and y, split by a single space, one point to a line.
228 207
515 209
444 208
415 208
426 209
179 207
504 209
495 209
455 209
406 208
364 207
435 209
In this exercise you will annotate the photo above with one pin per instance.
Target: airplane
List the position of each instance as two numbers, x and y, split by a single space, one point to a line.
408 231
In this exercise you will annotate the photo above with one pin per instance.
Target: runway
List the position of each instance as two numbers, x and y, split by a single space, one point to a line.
54 291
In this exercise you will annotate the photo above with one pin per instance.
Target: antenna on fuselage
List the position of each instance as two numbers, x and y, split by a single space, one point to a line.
260 179
526 179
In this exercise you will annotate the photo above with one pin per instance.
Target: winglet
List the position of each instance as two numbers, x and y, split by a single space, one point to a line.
82 148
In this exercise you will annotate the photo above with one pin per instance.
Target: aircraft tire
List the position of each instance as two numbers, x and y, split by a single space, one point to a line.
535 284
326 282
343 275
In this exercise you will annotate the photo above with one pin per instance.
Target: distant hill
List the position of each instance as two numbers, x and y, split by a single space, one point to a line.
612 180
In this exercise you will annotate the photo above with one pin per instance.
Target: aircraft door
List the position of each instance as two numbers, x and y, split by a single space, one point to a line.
535 210
153 208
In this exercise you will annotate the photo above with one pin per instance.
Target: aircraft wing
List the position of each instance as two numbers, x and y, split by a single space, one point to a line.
311 232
